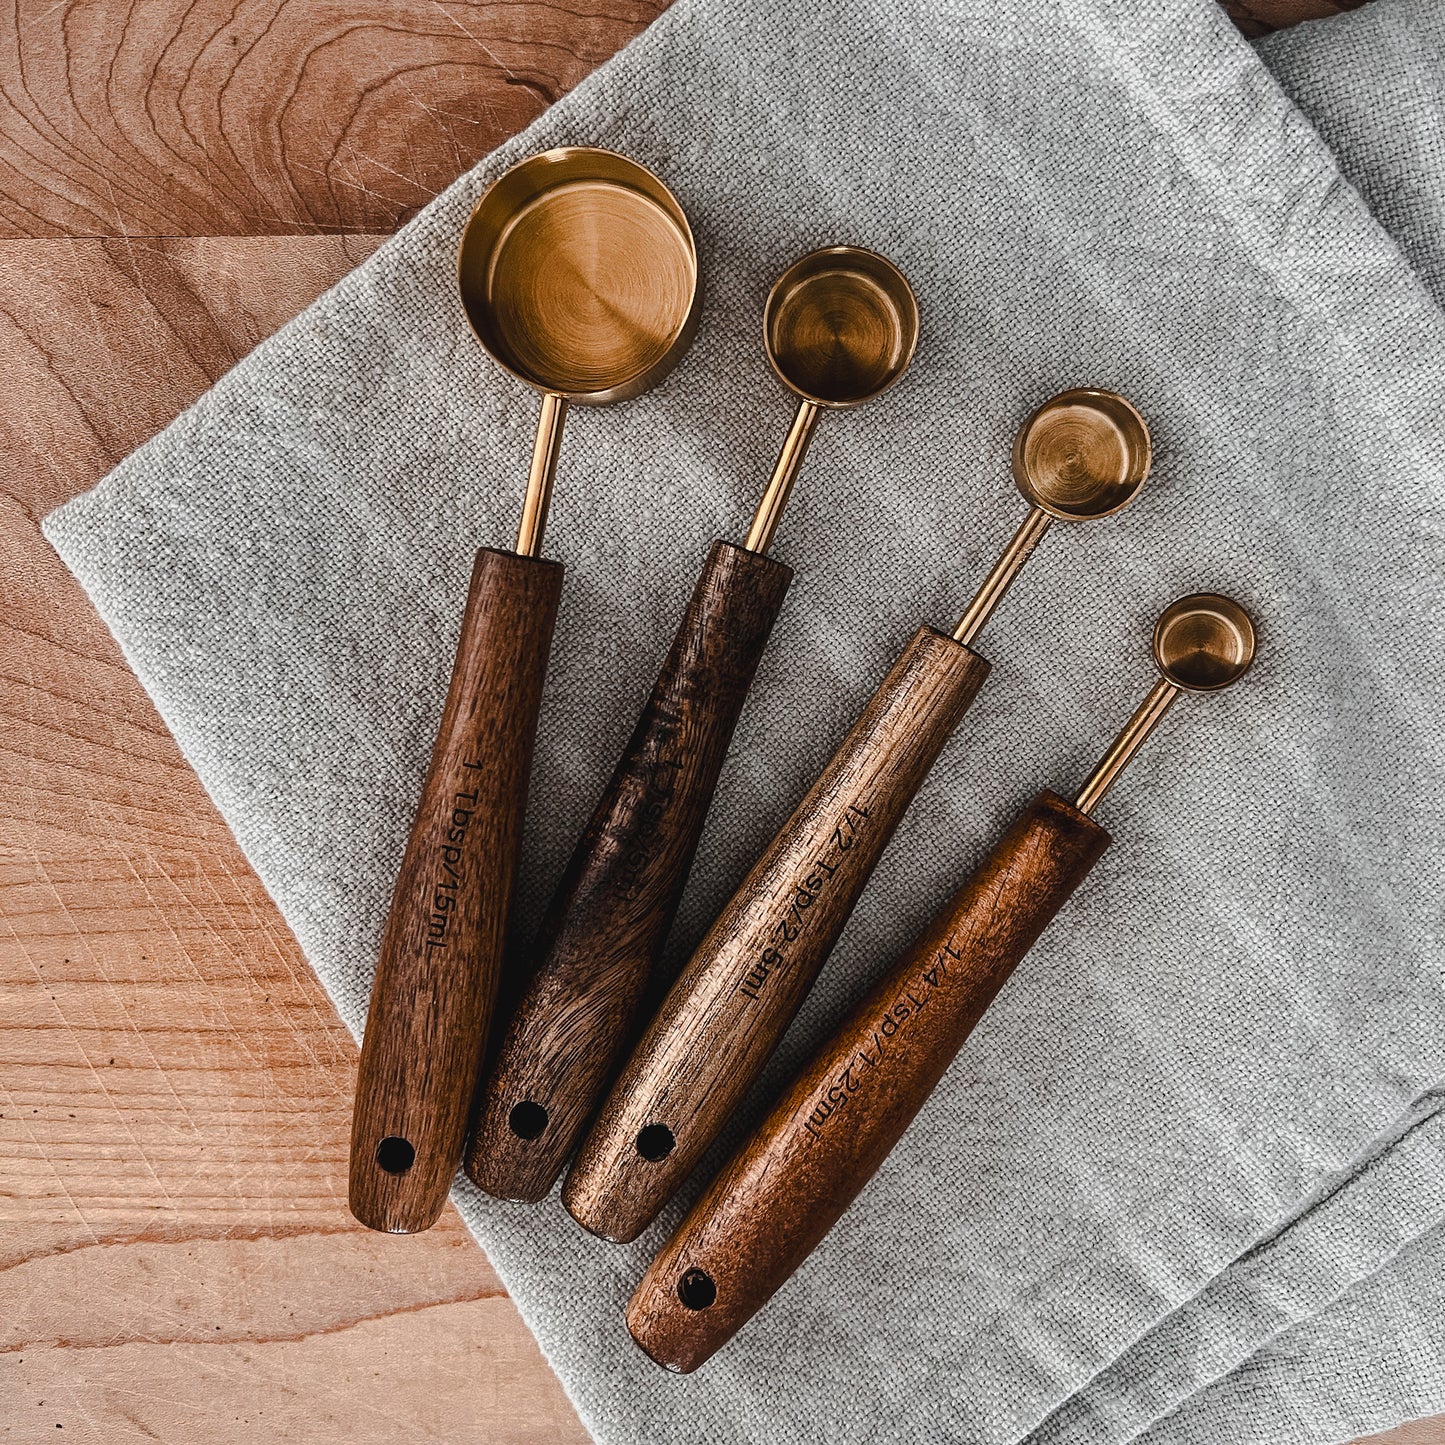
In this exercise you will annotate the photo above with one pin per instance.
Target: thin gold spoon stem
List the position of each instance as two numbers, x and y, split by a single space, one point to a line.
1001 577
785 473
839 327
544 470
1131 738
1202 643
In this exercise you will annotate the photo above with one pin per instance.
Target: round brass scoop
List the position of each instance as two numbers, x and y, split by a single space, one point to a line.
578 274
840 326
1083 454
1202 643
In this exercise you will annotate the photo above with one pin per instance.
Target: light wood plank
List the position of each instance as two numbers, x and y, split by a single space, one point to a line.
177 1258
272 117
394 1378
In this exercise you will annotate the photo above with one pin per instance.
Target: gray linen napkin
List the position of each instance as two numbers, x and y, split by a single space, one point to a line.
1373 83
1248 991
1350 1230
1370 1361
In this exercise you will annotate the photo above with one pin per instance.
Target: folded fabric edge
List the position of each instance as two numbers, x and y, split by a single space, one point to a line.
1347 1229
1334 1377
1233 125
1391 142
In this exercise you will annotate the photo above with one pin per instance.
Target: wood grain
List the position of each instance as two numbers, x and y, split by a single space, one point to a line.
272 117
393 1376
441 952
127 1234
603 933
175 1087
791 1180
103 342
737 994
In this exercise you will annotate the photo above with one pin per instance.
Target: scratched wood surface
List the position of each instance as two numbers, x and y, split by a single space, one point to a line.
176 1258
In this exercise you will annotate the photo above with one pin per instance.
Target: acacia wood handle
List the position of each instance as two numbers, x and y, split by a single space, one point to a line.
731 1004
789 1183
436 978
606 927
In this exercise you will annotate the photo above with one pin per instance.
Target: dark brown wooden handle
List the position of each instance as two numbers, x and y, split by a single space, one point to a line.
728 1009
793 1178
609 920
436 978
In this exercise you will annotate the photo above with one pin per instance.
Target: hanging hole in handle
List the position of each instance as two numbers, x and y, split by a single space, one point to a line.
395 1154
655 1142
527 1120
696 1289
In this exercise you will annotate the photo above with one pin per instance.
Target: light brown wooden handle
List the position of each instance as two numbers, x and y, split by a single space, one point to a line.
728 1009
606 927
789 1183
436 978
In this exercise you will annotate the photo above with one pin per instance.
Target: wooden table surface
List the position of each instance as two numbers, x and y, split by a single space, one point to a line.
176 180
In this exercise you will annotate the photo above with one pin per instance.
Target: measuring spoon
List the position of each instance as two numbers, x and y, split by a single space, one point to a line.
578 275
792 1179
840 326
1084 454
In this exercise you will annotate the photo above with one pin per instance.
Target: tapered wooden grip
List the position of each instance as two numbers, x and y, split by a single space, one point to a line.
606 927
727 1010
793 1178
436 978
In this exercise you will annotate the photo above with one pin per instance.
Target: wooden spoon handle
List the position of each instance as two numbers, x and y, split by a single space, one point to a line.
436 978
609 920
793 1178
740 990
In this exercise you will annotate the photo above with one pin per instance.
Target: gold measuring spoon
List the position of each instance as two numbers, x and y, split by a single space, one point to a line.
578 275
791 1181
840 326
1084 454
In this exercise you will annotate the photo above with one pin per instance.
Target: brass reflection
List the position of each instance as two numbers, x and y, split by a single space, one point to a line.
1081 455
1202 643
578 274
840 326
